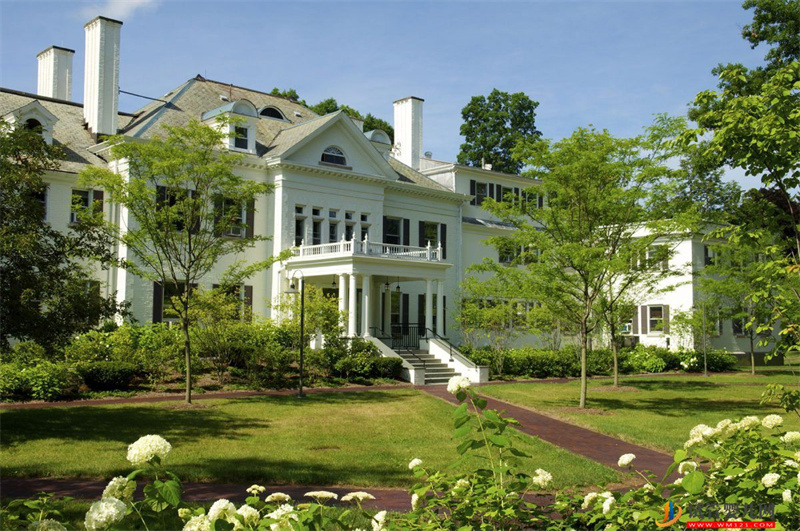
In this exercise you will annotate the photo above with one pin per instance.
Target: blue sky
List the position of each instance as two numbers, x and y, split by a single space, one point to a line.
610 64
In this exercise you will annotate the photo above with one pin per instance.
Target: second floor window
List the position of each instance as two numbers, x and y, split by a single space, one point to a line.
241 140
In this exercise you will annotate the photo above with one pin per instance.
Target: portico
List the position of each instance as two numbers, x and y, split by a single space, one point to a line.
365 270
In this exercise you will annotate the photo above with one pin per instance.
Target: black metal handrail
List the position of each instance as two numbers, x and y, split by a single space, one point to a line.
437 336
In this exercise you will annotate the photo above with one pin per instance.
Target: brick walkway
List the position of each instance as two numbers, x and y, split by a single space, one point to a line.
581 441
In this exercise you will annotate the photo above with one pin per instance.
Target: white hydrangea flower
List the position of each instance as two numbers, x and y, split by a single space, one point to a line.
148 447
748 422
694 441
769 480
608 504
697 431
255 490
198 523
282 512
462 484
46 525
791 437
184 513
414 501
686 467
249 514
120 488
589 499
678 481
648 487
323 495
414 463
104 513
222 510
542 478
625 460
792 463
787 496
358 496
772 421
278 497
379 521
458 383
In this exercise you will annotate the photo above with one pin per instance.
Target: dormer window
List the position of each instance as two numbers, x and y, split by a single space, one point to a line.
34 125
271 112
241 140
33 117
240 126
334 155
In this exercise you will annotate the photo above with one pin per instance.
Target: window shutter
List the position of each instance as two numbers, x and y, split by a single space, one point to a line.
491 190
421 313
472 192
251 221
443 239
384 229
161 195
158 302
635 323
405 313
406 232
666 319
98 201
645 321
422 242
516 195
248 302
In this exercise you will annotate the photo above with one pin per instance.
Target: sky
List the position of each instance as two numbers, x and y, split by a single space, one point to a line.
611 64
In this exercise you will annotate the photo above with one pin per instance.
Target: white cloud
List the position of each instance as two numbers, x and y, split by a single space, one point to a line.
117 9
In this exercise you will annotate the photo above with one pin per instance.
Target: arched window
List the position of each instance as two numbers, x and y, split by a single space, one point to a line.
33 125
272 112
334 155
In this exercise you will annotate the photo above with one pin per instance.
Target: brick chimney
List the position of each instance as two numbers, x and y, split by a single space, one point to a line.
55 73
101 75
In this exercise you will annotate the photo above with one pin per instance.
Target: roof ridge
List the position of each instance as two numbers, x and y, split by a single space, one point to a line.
329 115
205 79
52 100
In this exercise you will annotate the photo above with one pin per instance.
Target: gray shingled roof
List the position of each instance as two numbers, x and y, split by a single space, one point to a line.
289 136
410 175
68 132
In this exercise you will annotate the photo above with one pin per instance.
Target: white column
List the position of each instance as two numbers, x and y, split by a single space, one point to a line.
342 295
387 310
366 284
440 307
351 308
428 304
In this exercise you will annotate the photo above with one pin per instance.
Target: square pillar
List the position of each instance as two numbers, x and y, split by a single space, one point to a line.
428 305
440 307
366 283
351 308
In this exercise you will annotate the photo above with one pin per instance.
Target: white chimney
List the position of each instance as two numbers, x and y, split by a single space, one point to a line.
408 130
101 76
55 73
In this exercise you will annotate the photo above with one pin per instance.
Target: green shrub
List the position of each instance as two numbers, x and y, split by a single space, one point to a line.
43 381
644 359
13 383
387 368
717 360
107 375
27 353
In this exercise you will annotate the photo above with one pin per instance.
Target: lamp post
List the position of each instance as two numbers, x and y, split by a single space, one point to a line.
293 290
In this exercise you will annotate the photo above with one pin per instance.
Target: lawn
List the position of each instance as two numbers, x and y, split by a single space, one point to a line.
657 412
359 439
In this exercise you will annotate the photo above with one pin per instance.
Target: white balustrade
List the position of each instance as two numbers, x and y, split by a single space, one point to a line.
368 248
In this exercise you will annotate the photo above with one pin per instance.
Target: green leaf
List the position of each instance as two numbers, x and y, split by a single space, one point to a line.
693 482
680 455
462 431
170 491
480 403
499 440
464 446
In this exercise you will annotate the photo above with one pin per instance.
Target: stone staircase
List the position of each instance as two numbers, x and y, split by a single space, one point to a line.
436 372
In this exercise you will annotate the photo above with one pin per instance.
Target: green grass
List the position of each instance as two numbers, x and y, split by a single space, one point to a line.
359 439
659 411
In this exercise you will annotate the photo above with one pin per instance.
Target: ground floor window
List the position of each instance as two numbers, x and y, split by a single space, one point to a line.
656 319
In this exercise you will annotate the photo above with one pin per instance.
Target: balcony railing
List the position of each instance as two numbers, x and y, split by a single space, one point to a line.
368 248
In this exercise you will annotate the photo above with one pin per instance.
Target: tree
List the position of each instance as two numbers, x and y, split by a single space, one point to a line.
493 126
189 210
754 123
596 189
47 288
289 94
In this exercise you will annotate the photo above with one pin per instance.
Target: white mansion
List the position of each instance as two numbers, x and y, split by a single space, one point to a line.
387 228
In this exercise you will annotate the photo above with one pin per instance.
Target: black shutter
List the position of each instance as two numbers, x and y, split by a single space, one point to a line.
472 192
421 314
248 302
405 313
98 201
406 232
251 214
491 190
161 195
666 319
422 234
443 239
384 229
158 302
516 195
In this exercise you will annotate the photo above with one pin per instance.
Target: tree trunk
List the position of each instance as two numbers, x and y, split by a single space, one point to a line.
187 352
752 355
615 354
584 381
